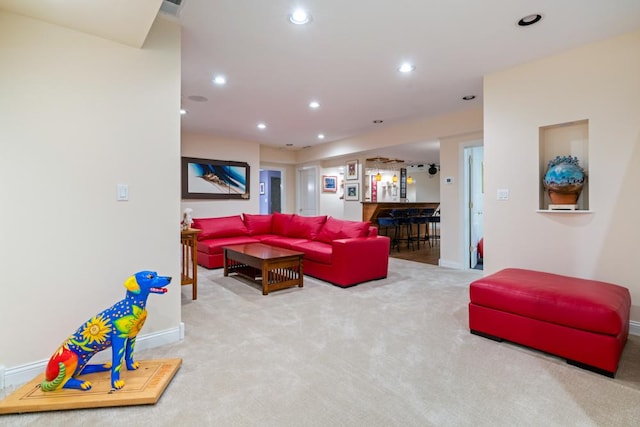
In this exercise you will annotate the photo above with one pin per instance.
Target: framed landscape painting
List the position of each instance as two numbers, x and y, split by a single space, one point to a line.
214 179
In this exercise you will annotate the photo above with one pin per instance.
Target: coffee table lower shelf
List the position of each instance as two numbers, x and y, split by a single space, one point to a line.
272 268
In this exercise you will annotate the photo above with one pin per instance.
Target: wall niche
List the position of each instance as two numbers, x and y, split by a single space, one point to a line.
564 139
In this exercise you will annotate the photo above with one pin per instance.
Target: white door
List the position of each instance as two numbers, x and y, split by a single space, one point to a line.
475 198
307 187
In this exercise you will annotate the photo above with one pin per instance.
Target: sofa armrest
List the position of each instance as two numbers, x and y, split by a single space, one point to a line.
361 252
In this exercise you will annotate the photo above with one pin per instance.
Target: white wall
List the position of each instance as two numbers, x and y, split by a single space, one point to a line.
331 203
79 115
598 82
220 148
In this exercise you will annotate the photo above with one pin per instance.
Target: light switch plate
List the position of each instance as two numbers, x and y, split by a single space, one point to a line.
122 192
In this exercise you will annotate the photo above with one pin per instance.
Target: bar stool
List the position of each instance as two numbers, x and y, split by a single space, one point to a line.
404 224
385 223
418 219
426 213
434 220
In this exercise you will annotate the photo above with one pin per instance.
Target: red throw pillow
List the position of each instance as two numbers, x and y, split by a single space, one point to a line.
342 229
257 224
306 227
330 231
226 226
352 229
280 223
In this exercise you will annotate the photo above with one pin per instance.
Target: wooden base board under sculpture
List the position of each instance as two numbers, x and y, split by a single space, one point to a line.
597 352
144 386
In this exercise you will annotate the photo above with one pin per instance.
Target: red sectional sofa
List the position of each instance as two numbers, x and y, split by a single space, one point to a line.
341 252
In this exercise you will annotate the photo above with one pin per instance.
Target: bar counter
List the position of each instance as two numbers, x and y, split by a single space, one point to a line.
372 210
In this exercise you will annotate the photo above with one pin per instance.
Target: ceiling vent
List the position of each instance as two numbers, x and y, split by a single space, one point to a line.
172 7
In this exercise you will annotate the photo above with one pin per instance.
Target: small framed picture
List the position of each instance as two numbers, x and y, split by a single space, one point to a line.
352 170
329 183
351 191
262 188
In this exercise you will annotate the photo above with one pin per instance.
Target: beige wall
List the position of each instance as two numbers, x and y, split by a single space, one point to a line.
221 148
81 114
598 82
425 129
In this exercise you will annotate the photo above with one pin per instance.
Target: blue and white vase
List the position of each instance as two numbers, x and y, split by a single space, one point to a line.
564 180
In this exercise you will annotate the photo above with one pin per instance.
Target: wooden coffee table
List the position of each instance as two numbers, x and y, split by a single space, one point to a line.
273 268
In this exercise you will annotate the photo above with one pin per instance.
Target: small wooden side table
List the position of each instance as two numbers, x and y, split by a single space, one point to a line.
189 275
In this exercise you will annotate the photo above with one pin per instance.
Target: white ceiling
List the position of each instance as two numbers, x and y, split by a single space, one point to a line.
346 58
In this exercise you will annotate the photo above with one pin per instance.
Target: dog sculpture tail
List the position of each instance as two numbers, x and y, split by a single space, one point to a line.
58 381
60 369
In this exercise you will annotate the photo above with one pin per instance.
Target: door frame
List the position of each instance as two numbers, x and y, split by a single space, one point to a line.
283 187
469 249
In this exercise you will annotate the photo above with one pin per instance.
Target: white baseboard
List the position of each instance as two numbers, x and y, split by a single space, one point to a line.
22 374
634 327
450 264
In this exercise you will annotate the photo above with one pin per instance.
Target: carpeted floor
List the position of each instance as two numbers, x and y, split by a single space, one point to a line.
393 352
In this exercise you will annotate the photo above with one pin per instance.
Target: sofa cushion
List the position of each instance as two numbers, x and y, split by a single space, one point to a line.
315 251
334 229
282 241
257 224
280 223
214 246
306 227
226 226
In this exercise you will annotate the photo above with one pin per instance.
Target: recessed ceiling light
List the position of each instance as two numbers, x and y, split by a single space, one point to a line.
314 104
529 20
183 111
320 136
299 17
262 126
197 98
377 121
406 67
469 97
220 80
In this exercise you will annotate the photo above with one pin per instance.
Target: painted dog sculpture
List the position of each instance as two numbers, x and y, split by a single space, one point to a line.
115 327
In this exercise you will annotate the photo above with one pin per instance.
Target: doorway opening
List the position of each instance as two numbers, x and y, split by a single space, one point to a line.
271 191
474 201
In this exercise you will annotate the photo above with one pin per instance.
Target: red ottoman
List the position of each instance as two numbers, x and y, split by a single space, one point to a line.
584 321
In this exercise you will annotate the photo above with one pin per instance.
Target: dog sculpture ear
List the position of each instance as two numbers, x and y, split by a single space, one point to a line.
132 284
